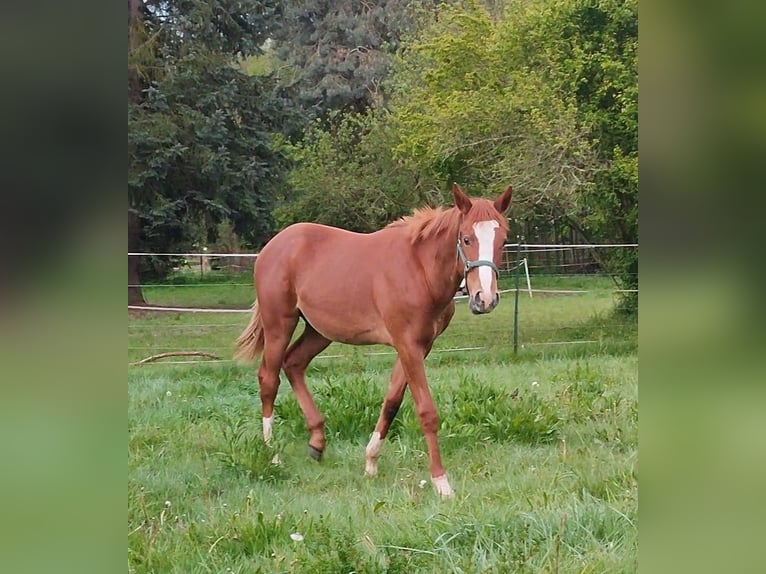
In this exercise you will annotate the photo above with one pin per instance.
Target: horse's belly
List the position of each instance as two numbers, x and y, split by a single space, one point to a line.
340 327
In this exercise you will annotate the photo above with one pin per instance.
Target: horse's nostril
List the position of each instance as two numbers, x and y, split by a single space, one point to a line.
497 299
476 304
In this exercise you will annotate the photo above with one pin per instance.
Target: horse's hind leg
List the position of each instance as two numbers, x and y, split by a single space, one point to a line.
277 334
298 357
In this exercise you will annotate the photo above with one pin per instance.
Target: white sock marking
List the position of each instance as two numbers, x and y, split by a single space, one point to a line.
442 486
373 451
267 423
485 234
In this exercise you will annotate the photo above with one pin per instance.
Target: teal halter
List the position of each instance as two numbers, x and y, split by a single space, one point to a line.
468 265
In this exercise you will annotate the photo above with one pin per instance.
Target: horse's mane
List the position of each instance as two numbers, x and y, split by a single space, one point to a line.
429 222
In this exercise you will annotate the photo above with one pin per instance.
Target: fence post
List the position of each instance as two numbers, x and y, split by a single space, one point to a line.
516 298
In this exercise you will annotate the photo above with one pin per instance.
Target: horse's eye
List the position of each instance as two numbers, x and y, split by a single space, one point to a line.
466 240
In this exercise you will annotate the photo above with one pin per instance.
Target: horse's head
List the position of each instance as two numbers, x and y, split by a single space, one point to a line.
480 245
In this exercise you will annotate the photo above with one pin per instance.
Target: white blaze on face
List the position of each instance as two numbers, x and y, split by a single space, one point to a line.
485 235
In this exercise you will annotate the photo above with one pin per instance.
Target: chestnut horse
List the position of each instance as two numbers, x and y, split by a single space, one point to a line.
393 287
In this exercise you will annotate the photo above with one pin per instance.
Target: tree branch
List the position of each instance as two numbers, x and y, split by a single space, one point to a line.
176 354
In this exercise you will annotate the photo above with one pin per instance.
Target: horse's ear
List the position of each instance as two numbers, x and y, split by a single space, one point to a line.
462 201
503 200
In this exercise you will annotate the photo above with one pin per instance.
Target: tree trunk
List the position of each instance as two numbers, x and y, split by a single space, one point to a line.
135 293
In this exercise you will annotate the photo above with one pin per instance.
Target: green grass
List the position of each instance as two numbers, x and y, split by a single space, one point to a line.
546 478
213 289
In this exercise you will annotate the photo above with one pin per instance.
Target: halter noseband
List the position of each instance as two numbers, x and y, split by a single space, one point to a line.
468 265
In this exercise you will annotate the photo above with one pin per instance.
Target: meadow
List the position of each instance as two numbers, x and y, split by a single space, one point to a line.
541 446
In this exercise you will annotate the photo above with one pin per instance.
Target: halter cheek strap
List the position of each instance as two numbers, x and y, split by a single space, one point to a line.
468 265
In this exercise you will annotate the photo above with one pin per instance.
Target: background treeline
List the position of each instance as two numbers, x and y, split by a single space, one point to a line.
245 117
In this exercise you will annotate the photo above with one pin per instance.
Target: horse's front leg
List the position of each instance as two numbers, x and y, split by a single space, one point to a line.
412 357
394 397
390 407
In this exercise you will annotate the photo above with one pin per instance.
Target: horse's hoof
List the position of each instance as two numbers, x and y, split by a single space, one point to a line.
442 486
315 453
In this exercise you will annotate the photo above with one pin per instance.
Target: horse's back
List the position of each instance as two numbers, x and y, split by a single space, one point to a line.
303 246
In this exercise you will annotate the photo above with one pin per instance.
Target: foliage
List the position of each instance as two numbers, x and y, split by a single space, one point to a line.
470 110
597 56
200 149
338 54
345 175
200 153
176 28
478 412
406 98
544 97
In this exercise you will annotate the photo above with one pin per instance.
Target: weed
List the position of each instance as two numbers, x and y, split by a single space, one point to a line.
244 451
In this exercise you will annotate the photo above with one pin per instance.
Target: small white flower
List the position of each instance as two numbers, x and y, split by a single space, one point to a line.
167 504
422 484
297 536
168 394
535 384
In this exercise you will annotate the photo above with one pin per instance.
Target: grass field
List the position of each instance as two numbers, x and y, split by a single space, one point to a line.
546 478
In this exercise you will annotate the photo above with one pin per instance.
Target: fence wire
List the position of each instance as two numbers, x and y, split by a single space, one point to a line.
566 300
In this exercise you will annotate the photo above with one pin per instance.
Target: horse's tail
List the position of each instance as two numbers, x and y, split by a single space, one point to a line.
250 342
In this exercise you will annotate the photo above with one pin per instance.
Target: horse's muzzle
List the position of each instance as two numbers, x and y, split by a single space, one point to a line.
478 306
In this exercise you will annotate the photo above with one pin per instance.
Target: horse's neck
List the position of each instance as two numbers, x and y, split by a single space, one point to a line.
439 259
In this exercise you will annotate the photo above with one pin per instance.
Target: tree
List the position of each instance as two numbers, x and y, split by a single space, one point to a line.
200 144
472 108
545 97
601 40
345 174
338 54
